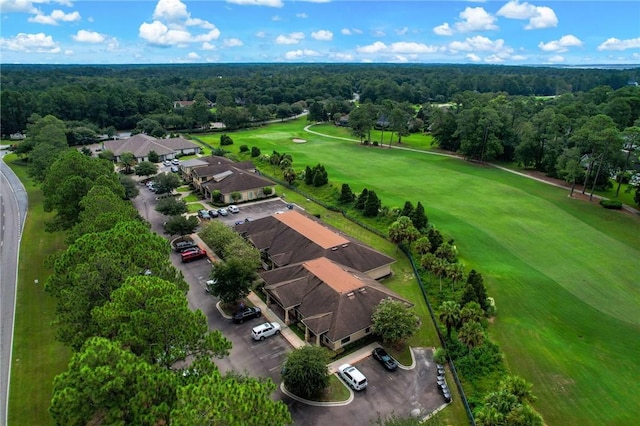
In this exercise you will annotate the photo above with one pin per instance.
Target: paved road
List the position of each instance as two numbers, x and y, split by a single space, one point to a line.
13 210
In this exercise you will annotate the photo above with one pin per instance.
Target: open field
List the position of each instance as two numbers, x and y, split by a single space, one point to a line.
37 356
564 273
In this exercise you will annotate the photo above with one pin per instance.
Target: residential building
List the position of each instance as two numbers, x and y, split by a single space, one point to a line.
333 302
292 237
141 145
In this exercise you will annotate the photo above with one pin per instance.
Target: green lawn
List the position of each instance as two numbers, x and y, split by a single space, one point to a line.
564 273
37 356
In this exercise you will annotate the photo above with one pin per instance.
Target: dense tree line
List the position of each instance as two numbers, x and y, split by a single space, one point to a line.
140 354
120 96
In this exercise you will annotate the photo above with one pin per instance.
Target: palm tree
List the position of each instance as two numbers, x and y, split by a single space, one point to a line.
455 272
471 312
471 334
518 387
127 160
489 416
449 315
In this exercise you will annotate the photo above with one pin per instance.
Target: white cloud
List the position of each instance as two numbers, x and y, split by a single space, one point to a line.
475 19
378 33
376 47
410 47
193 55
443 30
472 57
494 59
38 43
561 45
84 36
297 54
324 35
208 46
171 11
171 23
302 15
518 58
479 43
268 3
232 42
556 58
545 18
19 6
616 44
157 33
538 16
276 18
345 31
55 18
261 34
402 31
292 38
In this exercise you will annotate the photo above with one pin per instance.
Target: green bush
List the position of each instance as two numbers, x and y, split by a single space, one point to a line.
244 148
611 204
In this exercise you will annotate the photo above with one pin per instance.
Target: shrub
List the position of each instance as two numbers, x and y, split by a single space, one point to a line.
255 151
244 148
611 204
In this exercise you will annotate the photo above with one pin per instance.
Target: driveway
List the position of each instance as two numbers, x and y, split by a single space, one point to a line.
399 392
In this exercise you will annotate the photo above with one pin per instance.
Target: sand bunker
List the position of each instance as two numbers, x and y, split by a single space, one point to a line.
298 140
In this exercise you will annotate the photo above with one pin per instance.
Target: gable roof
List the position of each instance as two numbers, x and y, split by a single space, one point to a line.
227 179
293 237
331 297
141 145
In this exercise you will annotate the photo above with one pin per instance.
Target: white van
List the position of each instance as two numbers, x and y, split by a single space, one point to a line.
353 377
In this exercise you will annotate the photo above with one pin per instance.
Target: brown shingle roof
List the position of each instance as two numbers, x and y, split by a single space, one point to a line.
308 240
331 298
313 230
141 145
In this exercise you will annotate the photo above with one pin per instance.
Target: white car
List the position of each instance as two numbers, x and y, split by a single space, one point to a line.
353 377
233 208
267 329
175 161
167 163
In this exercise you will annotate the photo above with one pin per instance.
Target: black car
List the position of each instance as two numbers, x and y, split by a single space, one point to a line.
385 359
213 213
181 246
246 313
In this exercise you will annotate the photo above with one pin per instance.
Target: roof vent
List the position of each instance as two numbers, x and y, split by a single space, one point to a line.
334 248
350 295
345 245
362 290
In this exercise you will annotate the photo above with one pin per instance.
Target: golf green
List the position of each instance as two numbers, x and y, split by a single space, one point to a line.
564 273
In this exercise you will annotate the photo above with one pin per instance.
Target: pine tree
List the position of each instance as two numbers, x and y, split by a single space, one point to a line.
361 199
407 210
419 217
346 195
371 205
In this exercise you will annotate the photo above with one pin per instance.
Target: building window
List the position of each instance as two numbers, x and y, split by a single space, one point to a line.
345 340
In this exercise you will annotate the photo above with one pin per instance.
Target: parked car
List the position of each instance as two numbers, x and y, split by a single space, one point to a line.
213 213
247 313
181 246
167 163
387 361
193 254
204 214
440 369
175 161
353 377
233 208
223 212
175 169
265 330
210 283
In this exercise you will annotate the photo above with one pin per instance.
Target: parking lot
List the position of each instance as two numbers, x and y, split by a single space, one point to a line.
398 392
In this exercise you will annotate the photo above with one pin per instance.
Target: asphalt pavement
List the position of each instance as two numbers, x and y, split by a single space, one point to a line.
13 211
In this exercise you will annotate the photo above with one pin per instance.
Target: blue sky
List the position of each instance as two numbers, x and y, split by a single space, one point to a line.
222 31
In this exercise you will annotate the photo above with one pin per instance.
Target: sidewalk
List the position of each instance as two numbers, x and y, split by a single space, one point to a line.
270 316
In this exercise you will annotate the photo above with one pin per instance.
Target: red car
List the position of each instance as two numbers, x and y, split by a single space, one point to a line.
193 254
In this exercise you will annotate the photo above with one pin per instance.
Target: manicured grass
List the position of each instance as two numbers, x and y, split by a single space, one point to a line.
37 356
194 207
336 391
191 198
564 273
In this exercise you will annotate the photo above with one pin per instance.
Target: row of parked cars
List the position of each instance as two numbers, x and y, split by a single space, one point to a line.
209 214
